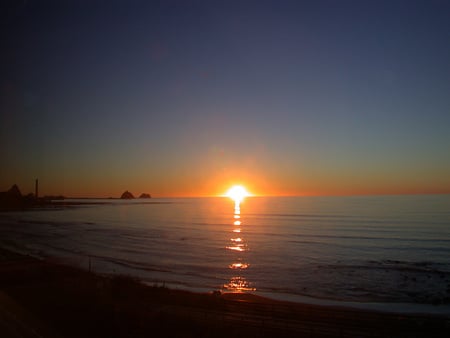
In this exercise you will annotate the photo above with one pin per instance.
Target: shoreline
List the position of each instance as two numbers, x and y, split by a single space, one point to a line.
391 308
384 307
70 301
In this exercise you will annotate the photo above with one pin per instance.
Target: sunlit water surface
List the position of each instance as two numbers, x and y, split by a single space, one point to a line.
393 249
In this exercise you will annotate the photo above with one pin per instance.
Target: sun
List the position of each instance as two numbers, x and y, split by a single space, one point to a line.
237 193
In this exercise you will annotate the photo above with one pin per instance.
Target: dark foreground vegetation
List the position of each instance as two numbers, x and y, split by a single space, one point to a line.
42 298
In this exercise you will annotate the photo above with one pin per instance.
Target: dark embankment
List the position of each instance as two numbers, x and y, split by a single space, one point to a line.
49 299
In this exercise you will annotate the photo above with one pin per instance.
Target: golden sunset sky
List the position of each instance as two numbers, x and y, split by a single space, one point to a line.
186 98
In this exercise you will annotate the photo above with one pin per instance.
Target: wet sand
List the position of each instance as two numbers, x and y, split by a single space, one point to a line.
46 298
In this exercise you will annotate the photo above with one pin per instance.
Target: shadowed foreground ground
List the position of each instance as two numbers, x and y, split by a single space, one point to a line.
48 299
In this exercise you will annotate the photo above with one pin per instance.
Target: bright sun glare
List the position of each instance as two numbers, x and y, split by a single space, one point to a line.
237 193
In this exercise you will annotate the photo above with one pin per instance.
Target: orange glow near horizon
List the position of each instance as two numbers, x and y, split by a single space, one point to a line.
212 182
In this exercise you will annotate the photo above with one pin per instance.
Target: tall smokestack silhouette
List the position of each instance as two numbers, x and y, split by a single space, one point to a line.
36 189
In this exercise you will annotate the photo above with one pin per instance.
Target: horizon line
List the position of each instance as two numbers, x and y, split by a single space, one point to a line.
267 195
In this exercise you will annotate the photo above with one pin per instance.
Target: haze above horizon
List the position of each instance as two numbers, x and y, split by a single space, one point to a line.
187 98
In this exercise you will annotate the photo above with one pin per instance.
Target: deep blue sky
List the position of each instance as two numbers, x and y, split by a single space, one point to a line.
185 97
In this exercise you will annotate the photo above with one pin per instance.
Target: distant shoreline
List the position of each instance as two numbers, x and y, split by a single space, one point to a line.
74 202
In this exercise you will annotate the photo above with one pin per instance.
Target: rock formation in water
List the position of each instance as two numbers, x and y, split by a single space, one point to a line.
127 195
145 195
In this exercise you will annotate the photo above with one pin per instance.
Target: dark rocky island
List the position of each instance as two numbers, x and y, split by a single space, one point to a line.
127 195
145 195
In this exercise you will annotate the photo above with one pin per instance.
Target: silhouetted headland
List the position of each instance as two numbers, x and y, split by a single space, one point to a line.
13 199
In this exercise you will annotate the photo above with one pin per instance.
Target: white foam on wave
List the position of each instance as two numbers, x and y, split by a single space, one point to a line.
399 308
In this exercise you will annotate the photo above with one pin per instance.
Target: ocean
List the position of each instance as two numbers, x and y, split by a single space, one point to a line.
345 250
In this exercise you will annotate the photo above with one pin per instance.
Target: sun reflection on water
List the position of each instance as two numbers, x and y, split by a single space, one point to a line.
236 248
241 266
238 283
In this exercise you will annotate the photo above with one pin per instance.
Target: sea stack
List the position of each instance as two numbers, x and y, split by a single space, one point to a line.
145 195
127 195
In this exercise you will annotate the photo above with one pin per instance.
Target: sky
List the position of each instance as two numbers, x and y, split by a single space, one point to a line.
185 98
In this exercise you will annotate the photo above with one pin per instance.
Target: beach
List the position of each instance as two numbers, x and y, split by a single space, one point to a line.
46 298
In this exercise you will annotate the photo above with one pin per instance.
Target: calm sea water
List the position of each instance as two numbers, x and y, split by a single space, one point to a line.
391 249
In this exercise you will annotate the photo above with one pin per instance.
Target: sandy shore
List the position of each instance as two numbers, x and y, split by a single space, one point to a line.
50 299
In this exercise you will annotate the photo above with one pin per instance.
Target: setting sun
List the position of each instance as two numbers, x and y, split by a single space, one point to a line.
237 193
